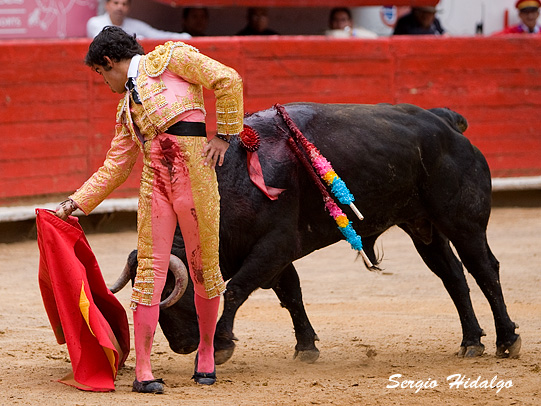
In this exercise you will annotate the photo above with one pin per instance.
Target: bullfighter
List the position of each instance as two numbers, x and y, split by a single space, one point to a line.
162 114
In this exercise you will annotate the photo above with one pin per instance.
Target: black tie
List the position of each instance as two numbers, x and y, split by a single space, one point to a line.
133 90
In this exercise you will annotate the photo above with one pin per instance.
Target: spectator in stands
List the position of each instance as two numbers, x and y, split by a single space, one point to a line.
257 22
116 12
340 19
195 21
528 12
420 21
341 25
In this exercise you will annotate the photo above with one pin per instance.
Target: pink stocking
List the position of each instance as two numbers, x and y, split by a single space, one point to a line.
145 320
207 314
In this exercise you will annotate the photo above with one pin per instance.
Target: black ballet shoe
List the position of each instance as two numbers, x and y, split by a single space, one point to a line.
203 378
152 386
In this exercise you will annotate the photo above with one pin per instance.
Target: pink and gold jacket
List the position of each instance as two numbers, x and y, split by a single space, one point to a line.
170 83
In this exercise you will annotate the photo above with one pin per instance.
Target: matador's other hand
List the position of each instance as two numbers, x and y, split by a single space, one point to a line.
64 209
214 151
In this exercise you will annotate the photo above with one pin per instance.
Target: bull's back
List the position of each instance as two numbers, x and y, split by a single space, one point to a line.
398 160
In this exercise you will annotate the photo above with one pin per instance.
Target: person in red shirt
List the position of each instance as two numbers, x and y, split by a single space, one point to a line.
528 12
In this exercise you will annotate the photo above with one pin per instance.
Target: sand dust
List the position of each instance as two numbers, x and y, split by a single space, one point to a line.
371 327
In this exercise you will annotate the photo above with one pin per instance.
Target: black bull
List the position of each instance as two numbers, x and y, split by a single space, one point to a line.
406 166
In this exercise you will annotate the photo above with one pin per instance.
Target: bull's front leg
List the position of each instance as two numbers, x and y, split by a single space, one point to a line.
261 268
288 290
255 270
224 339
258 270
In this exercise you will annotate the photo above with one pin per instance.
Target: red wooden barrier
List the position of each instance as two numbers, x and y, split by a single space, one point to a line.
57 116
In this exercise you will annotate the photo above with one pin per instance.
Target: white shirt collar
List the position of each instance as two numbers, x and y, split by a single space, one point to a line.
133 69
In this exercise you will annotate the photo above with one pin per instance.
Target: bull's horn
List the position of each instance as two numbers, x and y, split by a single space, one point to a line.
122 279
181 282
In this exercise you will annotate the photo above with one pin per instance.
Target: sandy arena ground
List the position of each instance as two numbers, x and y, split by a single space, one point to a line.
371 326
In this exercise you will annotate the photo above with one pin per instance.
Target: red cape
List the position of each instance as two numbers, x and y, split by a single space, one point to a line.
82 311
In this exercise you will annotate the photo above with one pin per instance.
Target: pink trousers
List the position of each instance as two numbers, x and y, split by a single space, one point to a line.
177 187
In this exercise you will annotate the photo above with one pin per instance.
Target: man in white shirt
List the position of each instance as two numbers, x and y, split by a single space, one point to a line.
341 25
116 12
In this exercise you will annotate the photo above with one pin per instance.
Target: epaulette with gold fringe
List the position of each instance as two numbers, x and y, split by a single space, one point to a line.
157 60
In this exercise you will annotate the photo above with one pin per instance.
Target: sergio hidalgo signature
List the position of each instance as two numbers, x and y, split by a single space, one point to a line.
455 381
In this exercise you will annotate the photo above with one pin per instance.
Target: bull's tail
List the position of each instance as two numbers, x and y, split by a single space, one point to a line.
455 120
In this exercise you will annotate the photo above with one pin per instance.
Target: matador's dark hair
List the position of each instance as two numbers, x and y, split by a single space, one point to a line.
114 43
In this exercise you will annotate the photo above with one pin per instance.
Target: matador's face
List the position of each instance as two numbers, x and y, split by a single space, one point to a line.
115 74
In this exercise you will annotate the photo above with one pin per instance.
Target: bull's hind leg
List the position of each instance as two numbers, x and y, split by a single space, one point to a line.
485 268
436 252
288 290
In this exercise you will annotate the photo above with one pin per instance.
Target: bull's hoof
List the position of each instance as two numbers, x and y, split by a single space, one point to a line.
222 356
471 351
509 351
308 356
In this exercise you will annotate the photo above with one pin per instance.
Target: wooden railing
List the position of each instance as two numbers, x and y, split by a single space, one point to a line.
57 116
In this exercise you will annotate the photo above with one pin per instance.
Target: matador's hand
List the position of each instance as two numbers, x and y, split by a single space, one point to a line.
64 209
214 152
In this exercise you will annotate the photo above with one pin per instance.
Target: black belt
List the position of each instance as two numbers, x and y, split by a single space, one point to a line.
187 128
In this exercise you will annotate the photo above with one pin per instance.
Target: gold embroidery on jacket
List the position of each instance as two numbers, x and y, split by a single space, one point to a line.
207 206
143 287
198 70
